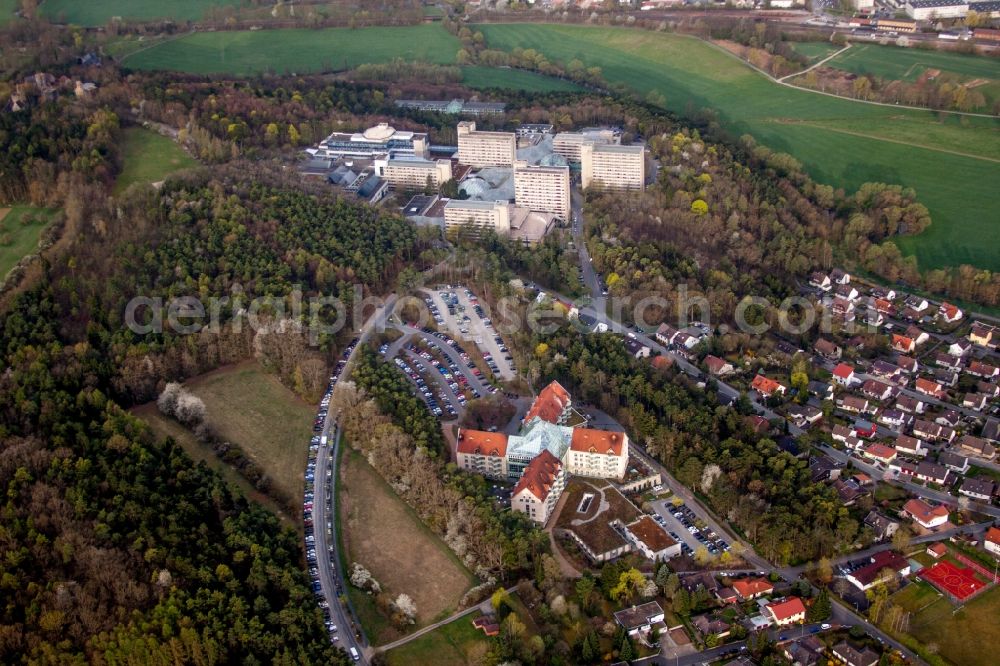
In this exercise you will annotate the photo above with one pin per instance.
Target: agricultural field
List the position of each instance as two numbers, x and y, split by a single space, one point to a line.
295 50
99 12
248 406
514 79
815 51
386 536
165 426
149 157
958 637
18 239
952 162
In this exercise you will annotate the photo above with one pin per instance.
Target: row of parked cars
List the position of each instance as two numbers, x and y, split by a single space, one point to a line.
318 440
706 536
464 355
488 324
433 400
452 373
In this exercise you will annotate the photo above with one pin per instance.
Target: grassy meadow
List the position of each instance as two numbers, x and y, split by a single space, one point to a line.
907 64
296 50
99 12
18 239
815 50
149 157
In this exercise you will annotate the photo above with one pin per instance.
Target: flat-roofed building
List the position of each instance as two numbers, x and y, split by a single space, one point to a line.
925 10
484 149
477 217
543 189
382 139
613 167
410 172
569 144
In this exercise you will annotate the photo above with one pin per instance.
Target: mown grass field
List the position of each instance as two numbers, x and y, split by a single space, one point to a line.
514 79
296 50
99 12
960 637
166 427
17 239
815 50
953 163
385 535
457 643
251 408
7 8
907 64
149 157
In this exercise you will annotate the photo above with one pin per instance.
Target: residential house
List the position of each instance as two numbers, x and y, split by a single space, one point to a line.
988 389
717 366
933 473
692 582
652 540
981 334
847 291
821 390
751 588
866 429
937 550
727 595
666 333
827 349
917 303
980 489
910 404
946 360
843 374
976 446
849 655
757 424
855 404
948 417
805 415
877 390
838 276
820 280
636 348
950 313
908 363
984 370
767 387
879 453
991 431
806 651
976 401
896 419
881 526
848 491
918 336
884 293
903 344
910 446
930 388
843 308
841 433
884 307
954 462
639 621
823 468
925 515
904 468
885 370
991 542
876 571
710 624
960 348
945 377
787 611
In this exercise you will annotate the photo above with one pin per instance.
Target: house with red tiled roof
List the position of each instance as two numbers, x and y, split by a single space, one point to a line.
937 550
901 343
482 452
843 374
597 453
929 387
991 542
539 487
880 453
751 588
718 366
767 387
950 313
787 611
553 404
984 370
925 515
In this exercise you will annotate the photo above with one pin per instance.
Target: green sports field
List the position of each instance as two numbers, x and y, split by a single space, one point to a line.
99 12
892 62
246 52
953 163
514 79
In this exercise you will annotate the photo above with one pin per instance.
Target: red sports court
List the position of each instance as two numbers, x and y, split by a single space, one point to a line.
960 583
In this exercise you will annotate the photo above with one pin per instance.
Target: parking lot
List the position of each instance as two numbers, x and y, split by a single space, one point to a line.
680 522
459 311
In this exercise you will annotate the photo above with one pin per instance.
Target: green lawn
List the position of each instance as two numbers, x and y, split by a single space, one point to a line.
953 163
907 64
17 239
515 79
815 50
99 12
149 157
960 638
7 8
295 50
450 645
